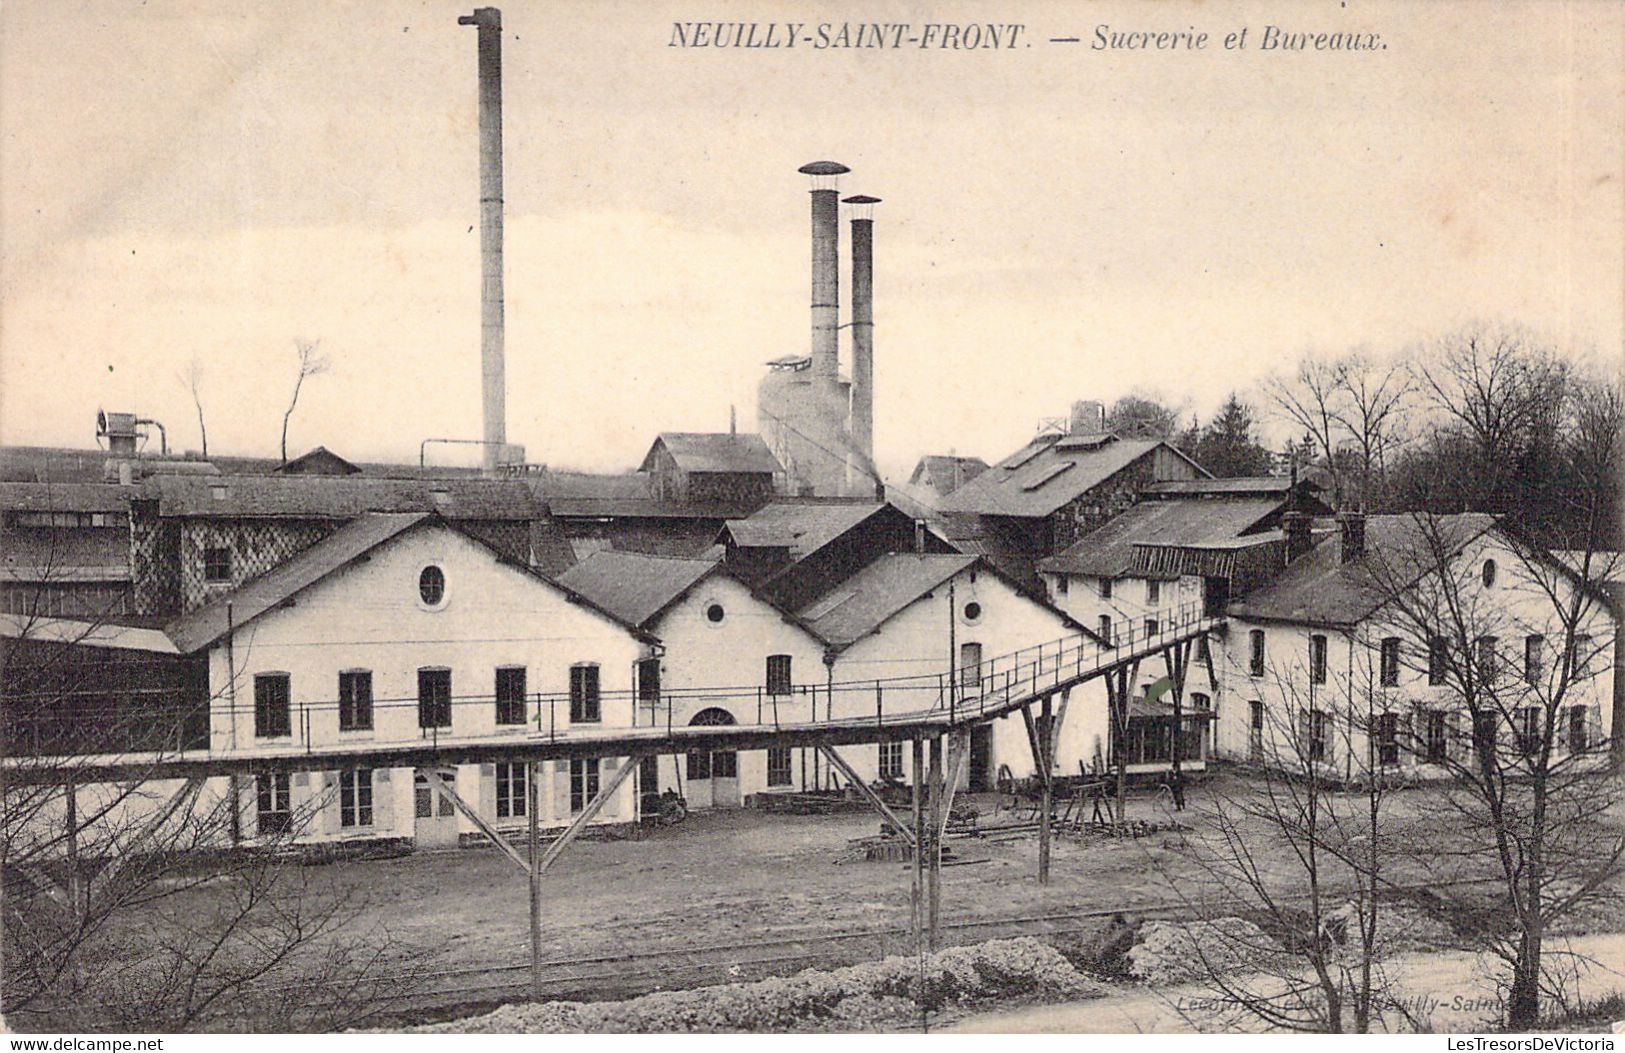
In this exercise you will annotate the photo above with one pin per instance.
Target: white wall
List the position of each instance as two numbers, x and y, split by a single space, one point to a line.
369 616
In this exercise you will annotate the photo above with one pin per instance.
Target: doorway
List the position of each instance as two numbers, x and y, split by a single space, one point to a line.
713 777
981 758
435 825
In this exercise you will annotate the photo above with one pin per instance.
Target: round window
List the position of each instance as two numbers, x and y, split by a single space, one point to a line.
432 586
714 613
1489 573
973 611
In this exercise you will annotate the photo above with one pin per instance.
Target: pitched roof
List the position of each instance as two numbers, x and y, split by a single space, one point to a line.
341 497
1318 588
708 452
634 586
1254 484
1047 473
85 634
1109 551
872 596
320 461
802 527
66 497
946 473
624 495
202 627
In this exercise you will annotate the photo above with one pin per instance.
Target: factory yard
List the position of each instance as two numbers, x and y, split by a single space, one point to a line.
742 894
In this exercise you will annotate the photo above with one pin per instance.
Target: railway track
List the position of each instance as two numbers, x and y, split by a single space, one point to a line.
448 993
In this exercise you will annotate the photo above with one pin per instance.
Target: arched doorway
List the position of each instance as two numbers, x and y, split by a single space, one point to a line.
713 777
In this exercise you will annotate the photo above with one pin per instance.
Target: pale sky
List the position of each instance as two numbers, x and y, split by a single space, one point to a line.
184 180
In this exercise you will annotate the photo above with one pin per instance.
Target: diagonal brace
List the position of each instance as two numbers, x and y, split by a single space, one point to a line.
869 794
592 809
181 798
491 833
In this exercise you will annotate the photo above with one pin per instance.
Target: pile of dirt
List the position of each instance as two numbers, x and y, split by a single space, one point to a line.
1179 952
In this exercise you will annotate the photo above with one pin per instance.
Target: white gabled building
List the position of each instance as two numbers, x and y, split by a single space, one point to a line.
402 628
1328 661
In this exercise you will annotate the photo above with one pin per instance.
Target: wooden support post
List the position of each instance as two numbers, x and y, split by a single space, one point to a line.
1117 693
958 758
593 807
76 898
439 786
933 845
918 870
1046 810
1177 658
533 854
839 763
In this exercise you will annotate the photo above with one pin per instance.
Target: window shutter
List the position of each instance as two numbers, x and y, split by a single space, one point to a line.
328 803
1593 727
1306 731
383 801
1408 745
561 789
487 804
1458 742
247 805
606 772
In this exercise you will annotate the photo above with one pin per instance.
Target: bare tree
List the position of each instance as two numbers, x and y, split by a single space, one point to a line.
1298 947
311 363
191 378
1371 397
1511 656
1311 399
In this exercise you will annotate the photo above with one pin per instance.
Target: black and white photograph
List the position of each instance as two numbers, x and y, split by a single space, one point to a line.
776 517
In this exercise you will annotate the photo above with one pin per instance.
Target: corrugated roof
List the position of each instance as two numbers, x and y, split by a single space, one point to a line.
1109 551
1045 475
1318 588
634 586
66 497
342 497
716 452
801 527
625 495
872 596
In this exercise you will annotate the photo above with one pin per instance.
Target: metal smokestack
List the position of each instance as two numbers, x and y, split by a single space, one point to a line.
493 394
863 342
826 281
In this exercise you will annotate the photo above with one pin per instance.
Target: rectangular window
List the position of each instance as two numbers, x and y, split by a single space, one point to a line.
1529 731
778 766
355 797
512 790
511 694
274 803
1153 591
1534 651
1484 730
1317 659
699 765
1438 660
970 666
1388 738
778 674
649 680
434 698
724 764
1486 659
1105 588
891 760
271 708
217 564
1389 673
583 781
584 700
1437 736
1106 629
1255 652
424 796
1151 628
1320 725
1579 739
355 700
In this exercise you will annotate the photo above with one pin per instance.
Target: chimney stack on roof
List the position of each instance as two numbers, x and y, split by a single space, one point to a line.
1352 528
